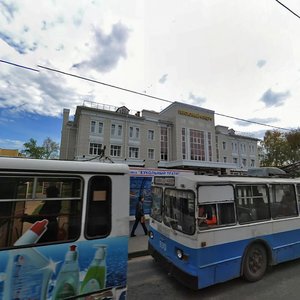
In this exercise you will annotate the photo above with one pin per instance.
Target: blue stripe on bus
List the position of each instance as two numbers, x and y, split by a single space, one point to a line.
223 262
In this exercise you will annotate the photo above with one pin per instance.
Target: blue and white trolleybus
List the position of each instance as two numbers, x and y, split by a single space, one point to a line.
209 229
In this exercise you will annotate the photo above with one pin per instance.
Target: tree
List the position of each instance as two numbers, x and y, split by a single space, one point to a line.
281 149
293 143
49 149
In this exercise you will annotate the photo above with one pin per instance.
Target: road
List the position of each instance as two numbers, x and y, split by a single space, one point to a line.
146 280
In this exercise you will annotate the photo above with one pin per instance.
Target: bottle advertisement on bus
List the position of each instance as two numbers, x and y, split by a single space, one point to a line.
60 271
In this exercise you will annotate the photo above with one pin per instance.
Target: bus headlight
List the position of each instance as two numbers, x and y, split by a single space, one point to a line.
179 253
151 235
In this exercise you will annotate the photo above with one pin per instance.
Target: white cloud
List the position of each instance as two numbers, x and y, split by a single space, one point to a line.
236 55
11 144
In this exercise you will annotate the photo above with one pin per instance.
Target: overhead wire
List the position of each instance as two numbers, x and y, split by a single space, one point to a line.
288 9
19 66
132 91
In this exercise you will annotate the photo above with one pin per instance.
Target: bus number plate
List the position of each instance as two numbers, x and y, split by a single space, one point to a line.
163 245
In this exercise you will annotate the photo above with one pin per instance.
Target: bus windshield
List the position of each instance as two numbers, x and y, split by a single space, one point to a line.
179 210
156 210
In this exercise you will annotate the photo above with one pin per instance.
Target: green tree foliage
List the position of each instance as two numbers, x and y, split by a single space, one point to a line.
281 149
293 141
48 150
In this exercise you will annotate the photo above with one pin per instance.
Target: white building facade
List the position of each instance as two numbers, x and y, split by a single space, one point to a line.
181 136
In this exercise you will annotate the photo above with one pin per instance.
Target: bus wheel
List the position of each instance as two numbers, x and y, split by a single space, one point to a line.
255 263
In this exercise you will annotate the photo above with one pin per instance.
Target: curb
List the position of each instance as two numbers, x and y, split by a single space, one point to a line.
138 254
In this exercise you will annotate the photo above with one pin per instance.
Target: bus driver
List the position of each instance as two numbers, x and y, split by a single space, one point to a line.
206 215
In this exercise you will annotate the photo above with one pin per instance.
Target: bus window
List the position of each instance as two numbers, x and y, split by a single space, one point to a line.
252 203
25 201
284 202
226 215
156 209
179 210
98 219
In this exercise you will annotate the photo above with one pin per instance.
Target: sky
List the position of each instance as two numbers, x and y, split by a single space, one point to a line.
238 58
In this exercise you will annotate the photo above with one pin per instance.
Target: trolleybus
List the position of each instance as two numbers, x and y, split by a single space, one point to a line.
209 229
63 229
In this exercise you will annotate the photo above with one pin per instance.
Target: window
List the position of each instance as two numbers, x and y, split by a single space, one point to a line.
234 148
212 215
217 149
116 130
252 203
156 206
183 142
119 130
52 202
179 210
93 126
95 149
283 198
225 159
134 132
96 127
209 146
98 223
137 133
130 131
150 153
115 150
243 148
113 130
244 162
150 135
100 128
224 145
197 151
133 152
252 164
235 160
164 143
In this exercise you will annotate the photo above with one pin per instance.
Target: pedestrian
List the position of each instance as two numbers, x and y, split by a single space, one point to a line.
139 216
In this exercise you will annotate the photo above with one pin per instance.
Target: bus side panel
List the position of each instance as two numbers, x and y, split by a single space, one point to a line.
220 263
286 246
43 272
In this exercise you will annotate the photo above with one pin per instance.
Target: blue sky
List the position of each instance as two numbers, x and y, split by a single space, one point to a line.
19 128
237 58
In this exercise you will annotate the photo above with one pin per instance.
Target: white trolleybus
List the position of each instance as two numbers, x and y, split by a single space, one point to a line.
209 229
63 229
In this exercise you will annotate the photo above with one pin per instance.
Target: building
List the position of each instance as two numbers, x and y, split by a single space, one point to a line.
237 149
10 152
181 136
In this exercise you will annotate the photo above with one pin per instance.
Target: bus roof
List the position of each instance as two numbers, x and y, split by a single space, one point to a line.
211 180
43 165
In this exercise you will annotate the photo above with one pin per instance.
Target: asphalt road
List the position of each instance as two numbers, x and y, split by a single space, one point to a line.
146 280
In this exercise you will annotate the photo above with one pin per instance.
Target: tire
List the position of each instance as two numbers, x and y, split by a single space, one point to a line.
255 263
